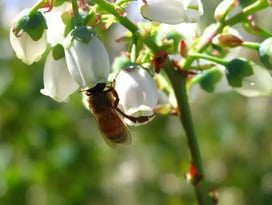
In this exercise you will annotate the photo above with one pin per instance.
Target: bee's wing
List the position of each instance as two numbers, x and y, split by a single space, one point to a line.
110 143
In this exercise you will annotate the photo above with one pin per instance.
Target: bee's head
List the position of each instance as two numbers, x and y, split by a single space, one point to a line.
98 88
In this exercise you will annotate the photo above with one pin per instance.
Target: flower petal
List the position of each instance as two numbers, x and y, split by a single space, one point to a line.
171 12
58 83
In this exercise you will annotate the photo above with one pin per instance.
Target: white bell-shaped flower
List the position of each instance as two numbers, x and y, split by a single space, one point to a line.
222 7
28 48
172 11
193 11
137 93
86 57
58 83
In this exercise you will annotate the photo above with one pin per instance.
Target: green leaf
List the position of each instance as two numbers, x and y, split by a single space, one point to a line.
58 52
237 70
245 3
34 25
265 53
209 79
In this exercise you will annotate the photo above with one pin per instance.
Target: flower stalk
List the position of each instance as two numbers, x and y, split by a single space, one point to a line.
121 19
77 17
252 8
210 58
251 45
178 82
37 6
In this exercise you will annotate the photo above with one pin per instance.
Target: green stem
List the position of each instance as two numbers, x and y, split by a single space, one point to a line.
210 58
178 82
252 45
121 19
77 17
88 17
252 8
133 52
37 6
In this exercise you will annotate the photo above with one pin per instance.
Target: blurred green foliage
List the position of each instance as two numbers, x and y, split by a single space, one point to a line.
53 154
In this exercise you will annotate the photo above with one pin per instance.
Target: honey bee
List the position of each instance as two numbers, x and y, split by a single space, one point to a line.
103 103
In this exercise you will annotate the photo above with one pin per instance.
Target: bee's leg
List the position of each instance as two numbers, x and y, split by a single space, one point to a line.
115 95
140 119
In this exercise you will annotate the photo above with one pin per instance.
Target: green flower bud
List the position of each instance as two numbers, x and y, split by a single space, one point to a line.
237 70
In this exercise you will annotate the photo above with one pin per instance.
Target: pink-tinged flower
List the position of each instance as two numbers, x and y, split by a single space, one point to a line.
86 57
28 36
58 83
137 93
172 11
223 8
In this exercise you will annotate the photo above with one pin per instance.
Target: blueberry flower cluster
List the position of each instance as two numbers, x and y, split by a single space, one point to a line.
78 60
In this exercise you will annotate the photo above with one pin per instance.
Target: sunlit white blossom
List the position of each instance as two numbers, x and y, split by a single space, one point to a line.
26 49
88 62
172 11
58 83
137 92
